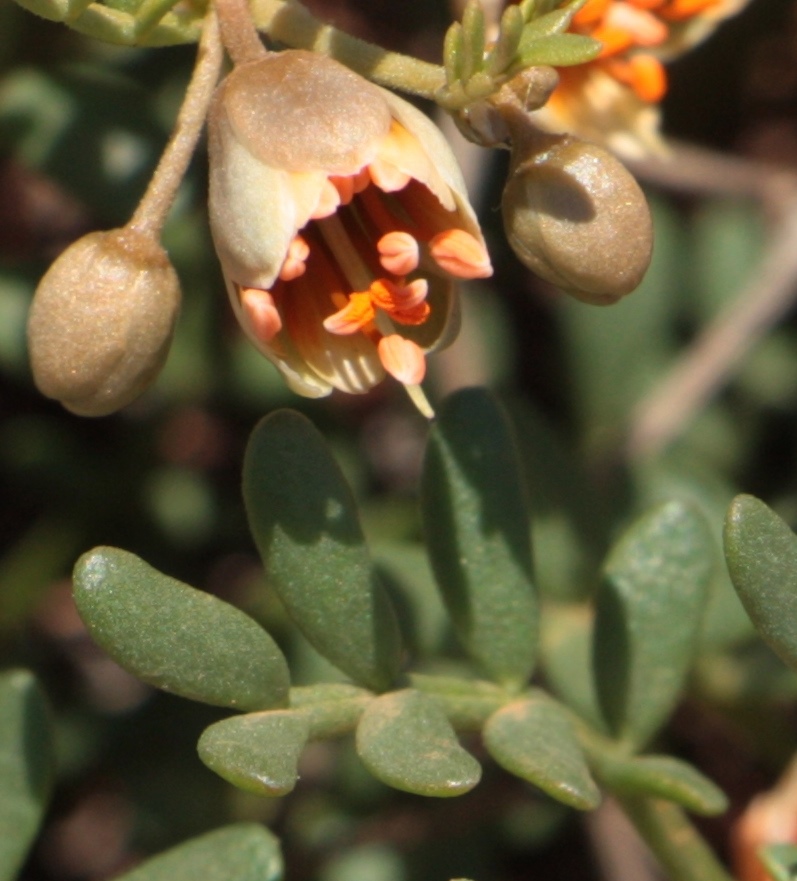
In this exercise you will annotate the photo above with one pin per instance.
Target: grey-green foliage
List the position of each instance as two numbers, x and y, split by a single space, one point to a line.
26 767
241 852
306 526
761 551
305 520
534 739
406 741
476 524
176 637
648 621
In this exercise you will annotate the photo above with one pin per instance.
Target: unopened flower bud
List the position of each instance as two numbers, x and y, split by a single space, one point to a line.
576 217
101 321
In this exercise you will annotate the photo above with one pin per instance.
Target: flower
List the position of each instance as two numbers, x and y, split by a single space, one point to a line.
614 98
341 223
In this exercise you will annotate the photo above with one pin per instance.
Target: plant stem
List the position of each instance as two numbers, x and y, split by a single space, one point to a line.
676 843
150 215
238 31
290 23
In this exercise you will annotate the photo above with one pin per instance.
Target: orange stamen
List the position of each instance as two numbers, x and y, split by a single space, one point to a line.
643 73
648 4
460 254
679 10
591 12
644 28
259 308
398 253
354 316
404 303
402 359
614 40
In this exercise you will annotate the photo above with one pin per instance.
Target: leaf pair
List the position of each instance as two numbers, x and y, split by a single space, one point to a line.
525 38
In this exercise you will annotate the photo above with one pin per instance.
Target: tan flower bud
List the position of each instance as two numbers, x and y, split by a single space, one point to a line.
575 216
101 321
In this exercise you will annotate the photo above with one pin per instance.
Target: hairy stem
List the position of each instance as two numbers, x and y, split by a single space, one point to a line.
677 845
238 31
290 23
150 215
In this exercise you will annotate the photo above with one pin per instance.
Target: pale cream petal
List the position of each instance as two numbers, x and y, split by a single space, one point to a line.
446 180
252 210
281 353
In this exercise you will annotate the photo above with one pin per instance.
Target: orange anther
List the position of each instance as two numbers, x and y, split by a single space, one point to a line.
402 359
591 13
649 78
264 319
678 10
613 39
398 253
354 316
643 27
403 302
460 254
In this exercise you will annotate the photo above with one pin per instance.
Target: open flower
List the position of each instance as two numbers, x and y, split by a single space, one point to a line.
341 222
614 98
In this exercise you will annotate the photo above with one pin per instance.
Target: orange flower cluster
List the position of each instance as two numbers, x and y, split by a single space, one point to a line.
629 29
614 99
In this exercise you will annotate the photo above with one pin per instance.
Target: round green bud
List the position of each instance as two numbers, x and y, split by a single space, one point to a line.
575 216
102 320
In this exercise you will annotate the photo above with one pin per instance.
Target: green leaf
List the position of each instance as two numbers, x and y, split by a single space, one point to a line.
559 50
649 617
26 767
780 860
453 53
761 552
304 520
477 534
533 739
176 637
503 52
257 752
693 480
661 777
406 741
554 22
241 852
473 29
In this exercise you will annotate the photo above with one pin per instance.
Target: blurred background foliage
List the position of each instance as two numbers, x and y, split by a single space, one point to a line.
81 127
